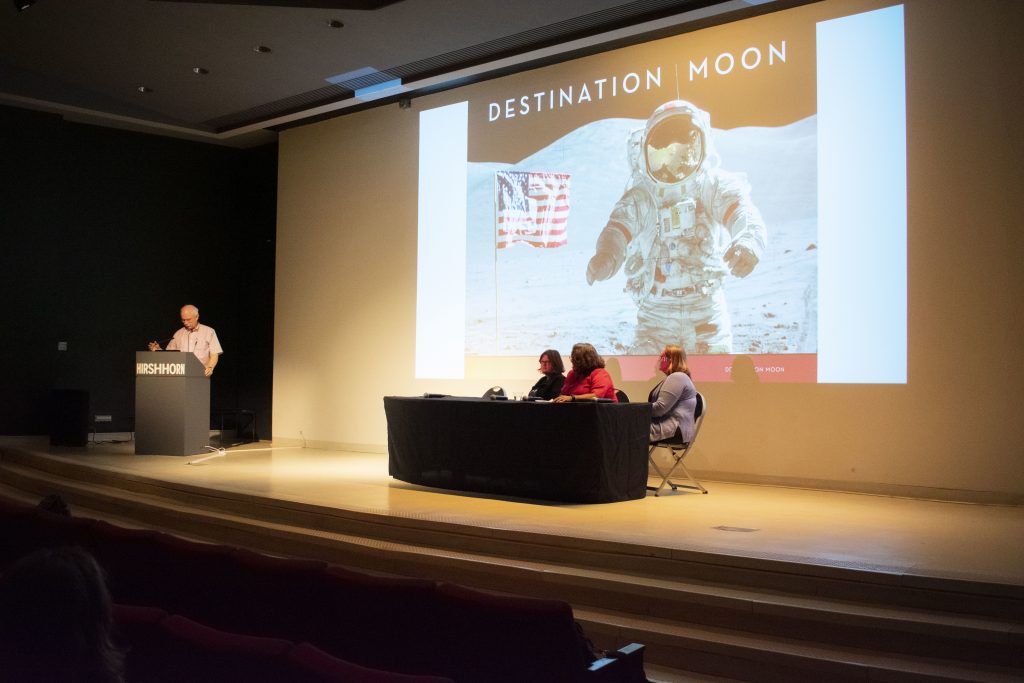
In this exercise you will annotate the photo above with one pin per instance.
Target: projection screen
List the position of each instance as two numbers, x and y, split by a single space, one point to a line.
740 190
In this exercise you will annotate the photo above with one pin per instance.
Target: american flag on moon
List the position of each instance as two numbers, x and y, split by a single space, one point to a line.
532 208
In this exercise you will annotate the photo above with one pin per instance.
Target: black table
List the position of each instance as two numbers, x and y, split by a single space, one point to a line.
582 452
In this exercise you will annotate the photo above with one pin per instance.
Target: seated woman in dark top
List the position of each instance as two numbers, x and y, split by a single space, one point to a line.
674 400
550 385
588 380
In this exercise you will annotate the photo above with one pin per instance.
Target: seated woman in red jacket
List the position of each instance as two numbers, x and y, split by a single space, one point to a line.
588 380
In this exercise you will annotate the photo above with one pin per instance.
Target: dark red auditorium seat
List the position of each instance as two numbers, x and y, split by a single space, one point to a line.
273 596
185 650
508 639
162 648
313 665
26 528
382 622
137 626
131 559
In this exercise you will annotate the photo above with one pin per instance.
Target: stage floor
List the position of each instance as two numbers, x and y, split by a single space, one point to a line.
899 536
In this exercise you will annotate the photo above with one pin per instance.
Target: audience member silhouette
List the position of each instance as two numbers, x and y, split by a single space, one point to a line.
56 620
56 505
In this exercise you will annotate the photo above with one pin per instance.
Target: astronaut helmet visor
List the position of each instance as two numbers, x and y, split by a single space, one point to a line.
674 149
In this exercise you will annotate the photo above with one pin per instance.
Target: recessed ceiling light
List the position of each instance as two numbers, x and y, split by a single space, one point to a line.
143 89
334 23
262 49
200 71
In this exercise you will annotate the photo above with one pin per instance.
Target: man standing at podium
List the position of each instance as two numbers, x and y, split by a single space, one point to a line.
193 337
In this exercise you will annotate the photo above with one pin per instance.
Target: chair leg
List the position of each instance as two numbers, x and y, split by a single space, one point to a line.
696 486
676 462
664 477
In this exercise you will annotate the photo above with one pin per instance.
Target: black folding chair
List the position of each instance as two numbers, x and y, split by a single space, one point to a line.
679 450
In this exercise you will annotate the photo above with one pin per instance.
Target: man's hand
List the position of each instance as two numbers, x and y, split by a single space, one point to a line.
211 363
153 346
741 261
601 267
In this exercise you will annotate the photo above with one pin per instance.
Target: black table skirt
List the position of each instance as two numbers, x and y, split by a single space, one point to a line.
583 452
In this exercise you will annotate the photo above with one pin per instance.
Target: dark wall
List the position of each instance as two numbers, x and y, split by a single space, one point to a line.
104 234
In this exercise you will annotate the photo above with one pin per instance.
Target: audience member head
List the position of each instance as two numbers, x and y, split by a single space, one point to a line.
56 620
551 363
673 359
585 359
53 503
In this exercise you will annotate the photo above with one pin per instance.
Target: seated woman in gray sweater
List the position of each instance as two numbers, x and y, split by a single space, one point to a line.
674 400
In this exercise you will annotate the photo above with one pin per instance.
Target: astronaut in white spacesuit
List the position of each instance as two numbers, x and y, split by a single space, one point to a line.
680 228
